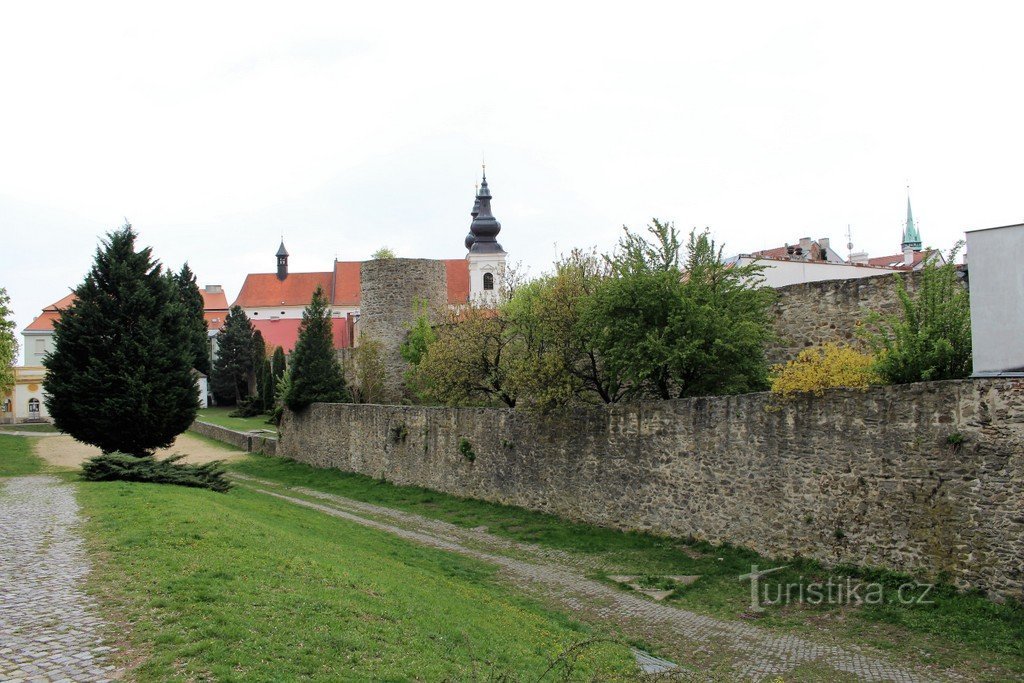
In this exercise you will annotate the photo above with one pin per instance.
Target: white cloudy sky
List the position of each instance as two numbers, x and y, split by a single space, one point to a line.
217 127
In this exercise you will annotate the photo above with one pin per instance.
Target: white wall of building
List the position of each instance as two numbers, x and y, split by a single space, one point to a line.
997 298
36 346
16 405
480 266
779 273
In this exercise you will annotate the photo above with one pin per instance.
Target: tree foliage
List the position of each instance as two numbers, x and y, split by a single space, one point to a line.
930 338
195 320
473 361
383 253
120 374
368 371
8 344
234 365
124 467
674 321
315 373
825 367
558 361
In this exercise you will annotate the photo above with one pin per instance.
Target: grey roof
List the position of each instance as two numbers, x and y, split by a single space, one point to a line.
281 251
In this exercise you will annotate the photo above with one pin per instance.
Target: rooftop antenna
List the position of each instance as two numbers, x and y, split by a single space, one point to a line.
849 243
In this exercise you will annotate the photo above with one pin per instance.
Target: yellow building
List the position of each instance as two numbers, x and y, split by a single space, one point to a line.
24 402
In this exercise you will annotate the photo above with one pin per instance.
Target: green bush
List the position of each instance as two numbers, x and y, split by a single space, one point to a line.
930 339
146 468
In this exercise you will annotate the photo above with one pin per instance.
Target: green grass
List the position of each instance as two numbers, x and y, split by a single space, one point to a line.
958 629
17 458
30 427
221 416
242 586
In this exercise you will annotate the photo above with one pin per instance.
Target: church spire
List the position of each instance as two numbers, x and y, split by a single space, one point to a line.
485 226
282 261
911 237
470 237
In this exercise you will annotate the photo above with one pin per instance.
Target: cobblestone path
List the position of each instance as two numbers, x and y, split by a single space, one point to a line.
49 627
750 652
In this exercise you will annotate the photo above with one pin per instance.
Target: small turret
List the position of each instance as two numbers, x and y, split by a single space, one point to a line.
282 261
470 238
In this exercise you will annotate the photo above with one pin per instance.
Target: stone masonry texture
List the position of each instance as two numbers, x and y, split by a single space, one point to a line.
390 290
923 478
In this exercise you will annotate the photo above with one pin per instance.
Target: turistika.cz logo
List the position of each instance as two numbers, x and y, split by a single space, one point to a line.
834 591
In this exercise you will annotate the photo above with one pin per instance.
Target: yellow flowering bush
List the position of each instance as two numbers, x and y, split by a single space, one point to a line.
825 367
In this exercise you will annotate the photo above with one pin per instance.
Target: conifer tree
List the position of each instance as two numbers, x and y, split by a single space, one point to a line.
234 364
316 374
192 299
8 344
120 373
278 364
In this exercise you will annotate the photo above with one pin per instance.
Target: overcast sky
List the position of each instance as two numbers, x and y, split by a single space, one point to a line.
216 128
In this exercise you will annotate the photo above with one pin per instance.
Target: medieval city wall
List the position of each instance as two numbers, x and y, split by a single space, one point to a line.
925 478
814 313
389 291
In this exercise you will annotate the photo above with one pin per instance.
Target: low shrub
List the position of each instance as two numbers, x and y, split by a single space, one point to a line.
146 468
825 367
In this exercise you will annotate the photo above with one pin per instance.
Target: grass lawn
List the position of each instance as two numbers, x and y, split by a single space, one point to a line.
242 586
957 629
17 458
220 416
29 427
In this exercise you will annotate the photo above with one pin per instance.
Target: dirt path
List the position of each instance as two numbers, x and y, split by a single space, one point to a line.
731 650
63 451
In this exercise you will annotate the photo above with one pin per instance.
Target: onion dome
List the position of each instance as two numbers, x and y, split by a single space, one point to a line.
485 226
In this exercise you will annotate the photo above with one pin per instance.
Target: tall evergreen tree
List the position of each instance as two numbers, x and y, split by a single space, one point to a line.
120 373
278 364
192 300
232 369
316 375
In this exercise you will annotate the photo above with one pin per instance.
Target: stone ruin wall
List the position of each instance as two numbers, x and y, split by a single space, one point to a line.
924 478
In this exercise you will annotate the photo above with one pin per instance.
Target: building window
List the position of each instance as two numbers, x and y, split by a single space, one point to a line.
488 281
7 407
33 407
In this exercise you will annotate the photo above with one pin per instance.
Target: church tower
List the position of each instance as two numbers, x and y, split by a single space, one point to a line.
282 262
486 257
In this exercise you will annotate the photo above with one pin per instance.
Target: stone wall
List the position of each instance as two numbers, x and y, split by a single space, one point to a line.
917 478
814 313
246 441
389 292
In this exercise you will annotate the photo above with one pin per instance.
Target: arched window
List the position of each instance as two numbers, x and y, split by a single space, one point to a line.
488 280
33 407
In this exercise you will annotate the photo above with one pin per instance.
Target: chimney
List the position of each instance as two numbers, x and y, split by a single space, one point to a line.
823 243
908 255
860 257
213 289
805 247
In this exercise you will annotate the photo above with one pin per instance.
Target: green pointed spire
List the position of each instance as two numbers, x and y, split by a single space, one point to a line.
911 237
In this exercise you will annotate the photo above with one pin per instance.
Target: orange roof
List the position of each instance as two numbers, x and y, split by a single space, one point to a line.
215 319
896 260
777 252
44 323
346 283
265 289
458 280
214 301
285 332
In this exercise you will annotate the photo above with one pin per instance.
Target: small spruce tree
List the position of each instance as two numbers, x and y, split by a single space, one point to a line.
192 300
316 375
120 374
234 364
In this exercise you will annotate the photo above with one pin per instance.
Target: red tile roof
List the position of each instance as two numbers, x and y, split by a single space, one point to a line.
44 323
342 286
896 260
285 332
346 283
265 289
458 280
214 301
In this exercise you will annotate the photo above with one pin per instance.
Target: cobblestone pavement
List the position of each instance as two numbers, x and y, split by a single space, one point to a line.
751 653
49 628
